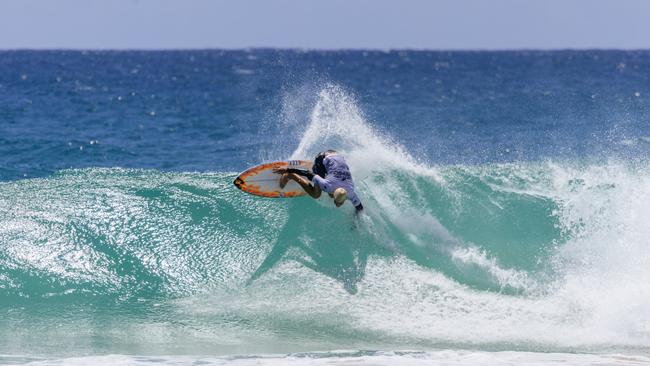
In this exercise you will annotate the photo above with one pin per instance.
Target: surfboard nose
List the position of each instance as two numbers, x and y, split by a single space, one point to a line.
239 183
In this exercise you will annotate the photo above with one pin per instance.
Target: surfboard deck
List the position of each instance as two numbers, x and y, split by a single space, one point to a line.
260 180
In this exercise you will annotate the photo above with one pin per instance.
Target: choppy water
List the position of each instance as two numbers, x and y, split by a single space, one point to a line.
506 196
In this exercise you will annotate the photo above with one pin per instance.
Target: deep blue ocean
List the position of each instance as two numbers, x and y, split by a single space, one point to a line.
506 196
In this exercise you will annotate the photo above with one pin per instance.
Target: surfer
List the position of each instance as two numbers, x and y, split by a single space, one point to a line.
330 173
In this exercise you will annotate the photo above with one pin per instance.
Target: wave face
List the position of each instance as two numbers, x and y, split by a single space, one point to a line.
546 256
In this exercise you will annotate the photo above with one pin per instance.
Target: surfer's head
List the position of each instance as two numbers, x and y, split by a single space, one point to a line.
339 195
319 167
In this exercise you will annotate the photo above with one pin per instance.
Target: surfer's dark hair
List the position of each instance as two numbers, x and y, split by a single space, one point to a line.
319 167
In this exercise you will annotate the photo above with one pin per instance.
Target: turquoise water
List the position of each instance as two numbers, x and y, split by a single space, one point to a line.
508 255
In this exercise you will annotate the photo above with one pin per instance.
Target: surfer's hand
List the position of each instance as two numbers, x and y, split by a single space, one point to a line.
279 170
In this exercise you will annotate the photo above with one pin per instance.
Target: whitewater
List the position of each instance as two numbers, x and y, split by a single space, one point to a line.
536 261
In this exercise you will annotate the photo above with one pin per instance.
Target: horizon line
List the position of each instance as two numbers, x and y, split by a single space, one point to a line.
316 49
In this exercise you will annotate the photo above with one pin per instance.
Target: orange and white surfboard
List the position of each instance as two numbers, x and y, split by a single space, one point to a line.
260 180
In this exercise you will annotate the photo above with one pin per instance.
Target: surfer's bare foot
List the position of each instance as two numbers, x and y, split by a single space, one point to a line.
284 180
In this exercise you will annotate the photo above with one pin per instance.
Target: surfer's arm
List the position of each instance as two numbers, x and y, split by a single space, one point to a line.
305 173
311 189
302 177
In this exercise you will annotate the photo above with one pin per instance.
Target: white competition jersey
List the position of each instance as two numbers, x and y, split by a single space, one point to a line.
338 176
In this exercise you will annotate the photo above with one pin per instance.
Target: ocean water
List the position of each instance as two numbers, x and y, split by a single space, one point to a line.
507 197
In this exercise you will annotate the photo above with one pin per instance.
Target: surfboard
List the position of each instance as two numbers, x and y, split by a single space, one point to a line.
260 180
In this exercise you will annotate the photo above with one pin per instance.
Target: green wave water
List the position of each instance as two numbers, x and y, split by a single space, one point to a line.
185 261
132 233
